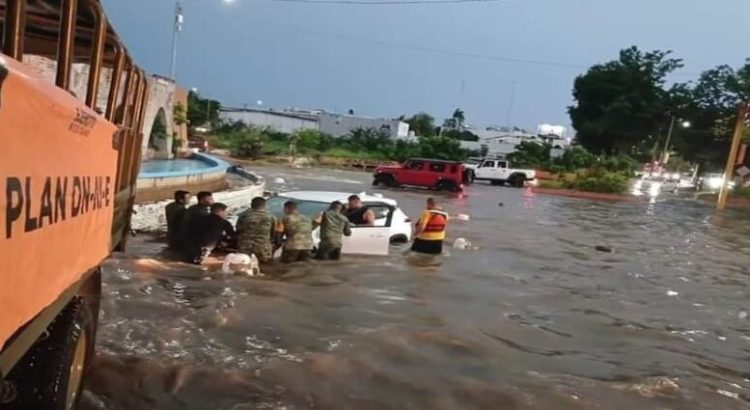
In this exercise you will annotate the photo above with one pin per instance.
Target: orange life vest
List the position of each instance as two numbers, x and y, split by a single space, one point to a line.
437 222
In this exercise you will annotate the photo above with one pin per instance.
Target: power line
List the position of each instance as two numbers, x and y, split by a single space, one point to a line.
387 2
421 48
433 50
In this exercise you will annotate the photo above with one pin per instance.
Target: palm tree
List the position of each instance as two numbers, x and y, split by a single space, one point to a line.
458 118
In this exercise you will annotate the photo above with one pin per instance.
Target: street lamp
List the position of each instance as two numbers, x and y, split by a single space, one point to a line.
178 20
683 124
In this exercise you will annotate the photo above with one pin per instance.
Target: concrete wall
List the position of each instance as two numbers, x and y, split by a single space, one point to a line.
278 121
340 125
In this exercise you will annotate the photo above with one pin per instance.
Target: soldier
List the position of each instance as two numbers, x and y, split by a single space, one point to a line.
333 225
205 199
297 229
175 212
205 233
256 231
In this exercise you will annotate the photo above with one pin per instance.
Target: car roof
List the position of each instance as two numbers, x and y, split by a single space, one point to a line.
444 161
330 196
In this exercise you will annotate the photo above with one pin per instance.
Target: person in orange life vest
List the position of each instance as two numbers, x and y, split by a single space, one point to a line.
430 230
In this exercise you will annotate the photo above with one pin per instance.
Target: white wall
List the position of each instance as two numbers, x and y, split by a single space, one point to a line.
276 121
340 125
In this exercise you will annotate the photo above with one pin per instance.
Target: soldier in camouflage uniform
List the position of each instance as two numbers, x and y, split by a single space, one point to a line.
297 229
333 225
256 231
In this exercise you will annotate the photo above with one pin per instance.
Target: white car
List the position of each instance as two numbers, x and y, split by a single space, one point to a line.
500 172
391 223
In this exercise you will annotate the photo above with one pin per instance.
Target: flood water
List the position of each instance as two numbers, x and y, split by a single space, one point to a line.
536 318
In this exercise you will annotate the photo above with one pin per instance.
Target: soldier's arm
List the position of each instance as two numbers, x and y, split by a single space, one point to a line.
347 228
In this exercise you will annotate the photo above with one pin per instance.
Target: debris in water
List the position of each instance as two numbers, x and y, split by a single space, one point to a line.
461 243
742 315
728 394
279 180
672 293
602 248
652 387
500 204
463 217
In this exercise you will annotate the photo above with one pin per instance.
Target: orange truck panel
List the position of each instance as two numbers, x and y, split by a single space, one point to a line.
57 186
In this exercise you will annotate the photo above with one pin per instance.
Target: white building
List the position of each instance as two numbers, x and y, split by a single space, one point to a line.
340 125
289 121
282 121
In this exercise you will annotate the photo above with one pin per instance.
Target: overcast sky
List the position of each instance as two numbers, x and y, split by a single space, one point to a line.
387 60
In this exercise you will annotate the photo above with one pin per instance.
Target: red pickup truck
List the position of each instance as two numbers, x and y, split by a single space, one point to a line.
428 173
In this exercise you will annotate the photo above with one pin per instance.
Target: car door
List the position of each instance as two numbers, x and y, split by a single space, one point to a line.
486 170
502 170
370 240
412 172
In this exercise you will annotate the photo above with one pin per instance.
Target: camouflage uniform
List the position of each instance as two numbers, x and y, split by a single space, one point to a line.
255 230
332 227
298 231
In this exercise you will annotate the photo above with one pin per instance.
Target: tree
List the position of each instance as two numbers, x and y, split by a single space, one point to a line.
460 135
456 121
308 139
711 107
179 114
530 155
201 111
620 103
422 124
442 148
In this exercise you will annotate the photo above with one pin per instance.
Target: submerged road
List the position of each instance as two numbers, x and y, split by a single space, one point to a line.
536 318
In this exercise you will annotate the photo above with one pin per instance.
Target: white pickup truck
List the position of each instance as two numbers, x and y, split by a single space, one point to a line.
499 172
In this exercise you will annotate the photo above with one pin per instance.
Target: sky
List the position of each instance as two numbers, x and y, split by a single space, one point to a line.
388 60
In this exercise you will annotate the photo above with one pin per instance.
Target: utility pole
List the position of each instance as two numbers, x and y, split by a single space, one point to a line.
178 19
739 129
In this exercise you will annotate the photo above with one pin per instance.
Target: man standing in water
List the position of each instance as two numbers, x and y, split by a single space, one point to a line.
430 230
205 199
333 226
256 231
205 233
358 214
298 232
175 213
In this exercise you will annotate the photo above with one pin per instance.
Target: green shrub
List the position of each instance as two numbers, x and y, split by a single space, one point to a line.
598 180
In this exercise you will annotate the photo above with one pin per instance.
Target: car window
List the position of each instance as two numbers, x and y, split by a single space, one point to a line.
380 210
311 209
502 164
415 165
437 167
488 164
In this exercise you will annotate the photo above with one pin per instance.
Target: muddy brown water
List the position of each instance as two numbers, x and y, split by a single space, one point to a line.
536 318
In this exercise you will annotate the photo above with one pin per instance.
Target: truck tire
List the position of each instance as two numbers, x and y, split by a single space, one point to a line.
389 181
50 375
516 180
448 186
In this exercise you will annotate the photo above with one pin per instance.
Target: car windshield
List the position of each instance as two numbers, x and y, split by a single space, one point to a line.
310 209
